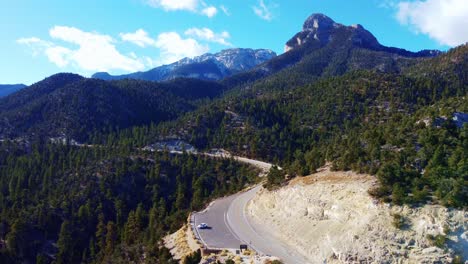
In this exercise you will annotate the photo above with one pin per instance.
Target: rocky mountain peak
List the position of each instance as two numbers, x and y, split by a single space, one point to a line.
322 29
318 21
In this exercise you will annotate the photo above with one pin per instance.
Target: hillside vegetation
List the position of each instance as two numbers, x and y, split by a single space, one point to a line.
68 105
102 205
337 96
398 126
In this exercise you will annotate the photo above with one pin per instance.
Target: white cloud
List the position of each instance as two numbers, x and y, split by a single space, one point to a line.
54 53
91 51
173 47
443 20
196 6
94 52
172 5
209 11
35 44
59 55
139 38
225 10
263 11
208 35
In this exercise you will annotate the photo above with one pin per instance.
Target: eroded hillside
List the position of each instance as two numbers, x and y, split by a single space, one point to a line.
330 216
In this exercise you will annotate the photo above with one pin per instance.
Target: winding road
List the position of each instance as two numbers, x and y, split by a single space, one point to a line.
230 226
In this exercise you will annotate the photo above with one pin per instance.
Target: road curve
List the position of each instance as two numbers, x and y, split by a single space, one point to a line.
219 234
230 226
255 235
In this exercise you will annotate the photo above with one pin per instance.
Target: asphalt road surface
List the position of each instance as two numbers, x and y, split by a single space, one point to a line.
218 234
230 226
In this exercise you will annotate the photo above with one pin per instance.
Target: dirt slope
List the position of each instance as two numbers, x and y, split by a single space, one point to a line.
330 216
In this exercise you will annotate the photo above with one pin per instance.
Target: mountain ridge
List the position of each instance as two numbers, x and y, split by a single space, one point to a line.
206 67
6 89
302 65
72 106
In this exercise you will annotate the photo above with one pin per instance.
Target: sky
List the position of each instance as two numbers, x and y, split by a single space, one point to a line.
41 38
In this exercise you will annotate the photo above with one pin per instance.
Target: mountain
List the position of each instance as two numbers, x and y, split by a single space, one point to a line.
326 48
322 29
407 128
73 106
206 67
6 89
70 105
337 98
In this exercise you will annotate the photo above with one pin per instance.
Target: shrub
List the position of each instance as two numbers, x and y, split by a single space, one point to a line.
398 221
438 240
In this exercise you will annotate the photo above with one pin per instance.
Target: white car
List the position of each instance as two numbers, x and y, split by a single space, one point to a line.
202 226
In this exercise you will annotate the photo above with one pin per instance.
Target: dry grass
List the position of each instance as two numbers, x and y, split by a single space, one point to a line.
177 243
324 174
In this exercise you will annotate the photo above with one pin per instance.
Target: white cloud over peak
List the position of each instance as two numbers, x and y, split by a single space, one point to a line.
173 47
139 38
208 35
263 11
59 55
445 21
94 52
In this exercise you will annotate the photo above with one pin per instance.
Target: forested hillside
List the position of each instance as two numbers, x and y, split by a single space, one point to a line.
68 105
102 205
366 121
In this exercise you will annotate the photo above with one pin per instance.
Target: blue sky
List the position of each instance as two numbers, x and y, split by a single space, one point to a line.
41 38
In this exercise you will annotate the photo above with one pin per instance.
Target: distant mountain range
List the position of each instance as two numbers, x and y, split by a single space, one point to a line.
76 107
6 89
206 67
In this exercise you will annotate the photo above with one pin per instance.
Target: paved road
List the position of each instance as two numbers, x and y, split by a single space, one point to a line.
232 227
256 235
219 235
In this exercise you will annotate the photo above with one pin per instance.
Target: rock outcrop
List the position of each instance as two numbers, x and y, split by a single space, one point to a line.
322 29
330 218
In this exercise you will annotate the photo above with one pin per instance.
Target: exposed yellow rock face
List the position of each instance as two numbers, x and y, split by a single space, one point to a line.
330 216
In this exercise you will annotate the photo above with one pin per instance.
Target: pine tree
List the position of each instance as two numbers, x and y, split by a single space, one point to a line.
65 244
131 229
111 238
101 232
